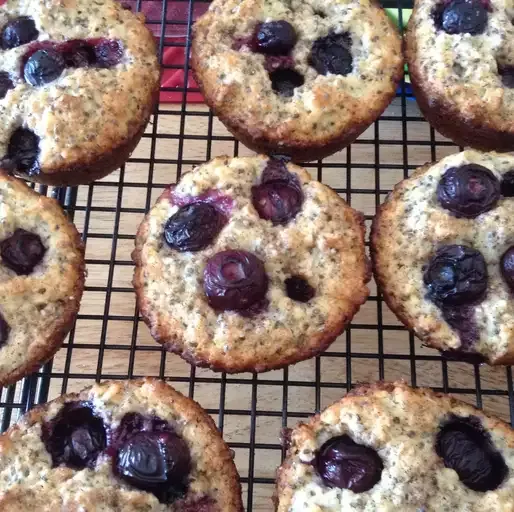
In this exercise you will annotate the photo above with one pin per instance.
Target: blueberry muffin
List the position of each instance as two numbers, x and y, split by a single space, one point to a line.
461 63
387 447
41 278
443 253
78 80
303 79
132 446
248 264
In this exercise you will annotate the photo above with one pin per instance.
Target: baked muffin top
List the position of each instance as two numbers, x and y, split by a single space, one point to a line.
77 77
41 277
440 245
298 274
344 63
136 446
389 447
463 52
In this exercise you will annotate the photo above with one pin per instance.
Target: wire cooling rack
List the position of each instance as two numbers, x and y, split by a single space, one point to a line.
110 341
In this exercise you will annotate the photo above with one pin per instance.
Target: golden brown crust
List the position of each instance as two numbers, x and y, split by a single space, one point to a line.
89 119
399 422
215 473
67 265
330 112
281 335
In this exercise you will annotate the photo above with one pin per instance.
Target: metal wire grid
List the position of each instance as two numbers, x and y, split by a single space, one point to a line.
242 404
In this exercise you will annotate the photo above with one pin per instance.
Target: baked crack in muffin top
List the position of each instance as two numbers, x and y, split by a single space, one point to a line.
131 446
41 278
78 79
249 264
443 251
389 447
302 78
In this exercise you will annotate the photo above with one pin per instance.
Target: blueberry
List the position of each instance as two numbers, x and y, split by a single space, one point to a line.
133 422
75 437
332 54
466 448
23 151
285 81
299 289
279 197
507 75
108 53
5 84
462 320
156 462
235 280
468 191
19 31
462 17
456 275
274 38
507 267
43 66
5 329
345 464
507 184
78 53
22 251
193 227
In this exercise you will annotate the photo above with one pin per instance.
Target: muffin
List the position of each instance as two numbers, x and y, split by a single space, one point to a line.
461 63
41 278
248 264
302 79
78 81
131 446
389 447
443 251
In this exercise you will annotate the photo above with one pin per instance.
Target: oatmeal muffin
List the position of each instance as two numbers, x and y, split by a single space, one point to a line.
303 79
461 63
41 278
248 264
387 447
131 446
443 252
78 80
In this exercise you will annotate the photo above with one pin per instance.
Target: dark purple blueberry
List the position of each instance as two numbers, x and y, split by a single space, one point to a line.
456 275
234 280
279 197
5 84
108 53
22 251
19 31
23 151
78 53
285 81
43 66
345 464
507 75
193 227
5 329
156 462
299 289
507 267
274 38
462 17
133 422
466 447
75 437
507 184
332 54
468 191
462 320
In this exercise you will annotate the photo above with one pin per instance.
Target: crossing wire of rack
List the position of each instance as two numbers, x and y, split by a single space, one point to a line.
110 341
